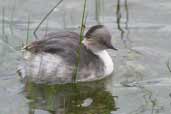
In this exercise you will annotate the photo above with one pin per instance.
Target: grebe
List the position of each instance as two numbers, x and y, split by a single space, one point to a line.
53 58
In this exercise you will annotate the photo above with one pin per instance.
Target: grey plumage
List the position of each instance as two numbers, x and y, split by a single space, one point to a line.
62 48
66 44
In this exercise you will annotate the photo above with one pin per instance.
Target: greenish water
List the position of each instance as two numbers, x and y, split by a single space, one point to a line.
87 98
141 82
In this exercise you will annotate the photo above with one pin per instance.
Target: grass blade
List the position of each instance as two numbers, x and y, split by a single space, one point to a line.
46 16
83 20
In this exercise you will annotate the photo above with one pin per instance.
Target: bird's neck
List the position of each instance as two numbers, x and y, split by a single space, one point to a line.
107 60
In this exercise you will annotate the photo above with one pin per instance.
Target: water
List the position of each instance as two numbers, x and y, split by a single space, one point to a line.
141 80
87 98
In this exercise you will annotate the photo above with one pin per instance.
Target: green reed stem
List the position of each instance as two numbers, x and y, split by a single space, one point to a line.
28 29
127 14
119 17
46 28
4 36
168 66
46 16
3 23
99 10
12 18
83 21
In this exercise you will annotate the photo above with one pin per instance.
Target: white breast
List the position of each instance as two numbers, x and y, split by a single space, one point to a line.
105 57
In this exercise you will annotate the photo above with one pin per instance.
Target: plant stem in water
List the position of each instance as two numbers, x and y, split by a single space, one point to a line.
28 29
81 38
46 16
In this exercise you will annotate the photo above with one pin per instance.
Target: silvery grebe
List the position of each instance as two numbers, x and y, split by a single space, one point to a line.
53 58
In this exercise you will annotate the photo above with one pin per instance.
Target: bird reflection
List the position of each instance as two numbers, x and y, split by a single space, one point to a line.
81 98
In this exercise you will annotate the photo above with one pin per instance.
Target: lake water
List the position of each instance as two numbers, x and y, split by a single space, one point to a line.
141 82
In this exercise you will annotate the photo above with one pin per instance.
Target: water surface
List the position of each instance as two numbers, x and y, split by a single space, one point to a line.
141 81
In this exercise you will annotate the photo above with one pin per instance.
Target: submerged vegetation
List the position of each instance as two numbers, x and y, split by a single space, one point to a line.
68 99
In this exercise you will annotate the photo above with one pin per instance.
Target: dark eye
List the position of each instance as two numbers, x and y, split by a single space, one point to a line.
87 36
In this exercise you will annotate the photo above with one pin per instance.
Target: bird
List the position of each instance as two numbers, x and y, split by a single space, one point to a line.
53 58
